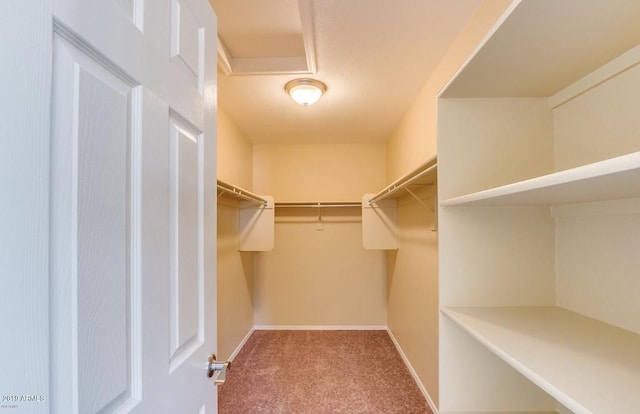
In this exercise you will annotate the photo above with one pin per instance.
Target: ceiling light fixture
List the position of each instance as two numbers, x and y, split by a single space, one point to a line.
305 91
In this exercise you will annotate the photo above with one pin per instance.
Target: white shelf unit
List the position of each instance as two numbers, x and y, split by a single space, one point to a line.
557 349
539 182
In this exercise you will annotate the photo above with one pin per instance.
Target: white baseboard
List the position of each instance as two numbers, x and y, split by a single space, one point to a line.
320 328
304 328
241 344
413 372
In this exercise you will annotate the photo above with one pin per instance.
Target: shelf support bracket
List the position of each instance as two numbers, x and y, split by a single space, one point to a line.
418 199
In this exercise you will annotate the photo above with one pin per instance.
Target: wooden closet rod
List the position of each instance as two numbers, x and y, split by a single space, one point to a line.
240 193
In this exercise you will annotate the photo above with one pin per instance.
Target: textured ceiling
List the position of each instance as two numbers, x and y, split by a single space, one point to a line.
260 28
374 56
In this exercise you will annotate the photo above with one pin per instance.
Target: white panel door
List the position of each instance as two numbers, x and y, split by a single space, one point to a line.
110 218
25 37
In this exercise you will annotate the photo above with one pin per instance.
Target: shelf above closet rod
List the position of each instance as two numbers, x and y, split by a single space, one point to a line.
240 193
425 174
320 204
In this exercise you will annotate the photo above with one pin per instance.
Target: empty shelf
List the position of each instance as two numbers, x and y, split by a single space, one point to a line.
615 178
586 365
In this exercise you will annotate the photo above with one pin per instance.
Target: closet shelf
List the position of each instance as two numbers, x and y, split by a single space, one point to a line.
425 174
612 179
319 204
240 193
586 365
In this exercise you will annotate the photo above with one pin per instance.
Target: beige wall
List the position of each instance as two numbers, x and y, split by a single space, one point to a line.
413 271
318 274
235 274
235 154
329 172
235 283
415 139
413 287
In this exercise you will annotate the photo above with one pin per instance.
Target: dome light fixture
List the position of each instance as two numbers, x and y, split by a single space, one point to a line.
305 91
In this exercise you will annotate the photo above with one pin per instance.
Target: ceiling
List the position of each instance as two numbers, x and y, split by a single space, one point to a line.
545 45
374 56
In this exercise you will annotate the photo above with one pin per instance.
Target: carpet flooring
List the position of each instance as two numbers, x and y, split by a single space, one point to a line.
320 372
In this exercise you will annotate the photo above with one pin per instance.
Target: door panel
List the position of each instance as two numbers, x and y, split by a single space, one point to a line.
187 278
103 245
130 9
95 299
187 40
